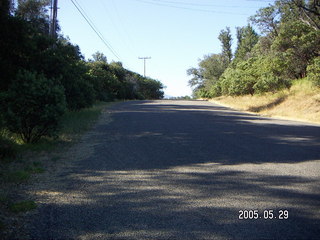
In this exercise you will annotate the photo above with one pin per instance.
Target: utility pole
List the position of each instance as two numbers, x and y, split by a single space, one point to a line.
144 61
53 18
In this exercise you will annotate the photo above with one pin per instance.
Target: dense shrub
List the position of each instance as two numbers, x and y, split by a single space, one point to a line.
79 94
33 105
239 80
150 89
270 83
313 71
105 82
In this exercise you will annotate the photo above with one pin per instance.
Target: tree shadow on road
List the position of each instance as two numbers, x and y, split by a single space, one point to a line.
165 135
175 171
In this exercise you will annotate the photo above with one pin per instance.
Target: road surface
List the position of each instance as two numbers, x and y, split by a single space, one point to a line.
185 170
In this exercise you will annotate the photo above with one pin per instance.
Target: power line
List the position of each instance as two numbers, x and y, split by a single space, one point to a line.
195 4
164 4
94 28
124 37
121 21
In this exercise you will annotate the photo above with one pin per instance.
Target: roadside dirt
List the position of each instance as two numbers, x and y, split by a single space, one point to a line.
56 163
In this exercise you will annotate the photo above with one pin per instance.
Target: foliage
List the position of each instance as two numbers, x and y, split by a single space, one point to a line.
288 50
313 71
247 39
149 89
205 78
226 41
104 81
34 105
309 12
298 43
34 12
112 81
99 57
42 75
267 21
239 80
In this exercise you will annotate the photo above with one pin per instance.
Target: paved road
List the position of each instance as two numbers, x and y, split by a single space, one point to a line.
184 170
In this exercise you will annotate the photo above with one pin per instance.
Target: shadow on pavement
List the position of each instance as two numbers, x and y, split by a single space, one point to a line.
162 170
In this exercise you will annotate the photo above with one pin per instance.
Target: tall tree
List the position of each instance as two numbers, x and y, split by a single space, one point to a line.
226 42
35 12
99 57
247 39
309 12
267 20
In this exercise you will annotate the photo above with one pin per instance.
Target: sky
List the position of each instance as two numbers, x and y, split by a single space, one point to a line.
174 33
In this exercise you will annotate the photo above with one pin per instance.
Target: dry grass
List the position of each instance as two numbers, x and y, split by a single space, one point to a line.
301 102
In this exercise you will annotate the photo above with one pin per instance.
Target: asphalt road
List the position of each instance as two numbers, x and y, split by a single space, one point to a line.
185 170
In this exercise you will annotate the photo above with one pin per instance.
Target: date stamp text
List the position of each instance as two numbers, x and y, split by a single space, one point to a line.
265 214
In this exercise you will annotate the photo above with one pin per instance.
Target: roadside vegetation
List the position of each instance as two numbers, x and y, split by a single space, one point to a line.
49 95
23 160
284 56
46 80
301 102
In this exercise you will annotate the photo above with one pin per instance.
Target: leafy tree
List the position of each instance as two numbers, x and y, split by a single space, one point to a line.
298 43
226 41
247 39
309 12
150 89
32 9
105 82
65 63
99 57
35 12
197 77
42 76
33 106
239 80
267 20
206 77
313 71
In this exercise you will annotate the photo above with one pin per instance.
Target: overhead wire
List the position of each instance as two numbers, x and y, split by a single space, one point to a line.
121 21
167 4
124 36
94 28
196 4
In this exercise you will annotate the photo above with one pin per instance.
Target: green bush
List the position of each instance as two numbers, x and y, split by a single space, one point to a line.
79 94
313 71
270 83
150 89
237 82
34 105
105 83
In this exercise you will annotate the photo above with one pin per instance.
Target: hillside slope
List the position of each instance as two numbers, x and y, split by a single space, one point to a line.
301 102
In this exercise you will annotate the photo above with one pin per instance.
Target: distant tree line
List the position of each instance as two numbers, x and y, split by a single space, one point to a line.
287 49
43 77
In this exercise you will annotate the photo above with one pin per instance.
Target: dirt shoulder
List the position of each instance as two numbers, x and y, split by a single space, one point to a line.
53 163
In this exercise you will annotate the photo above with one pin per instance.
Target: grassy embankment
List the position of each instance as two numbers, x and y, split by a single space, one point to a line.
301 102
24 160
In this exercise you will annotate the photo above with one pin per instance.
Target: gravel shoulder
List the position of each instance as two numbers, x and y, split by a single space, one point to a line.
181 170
